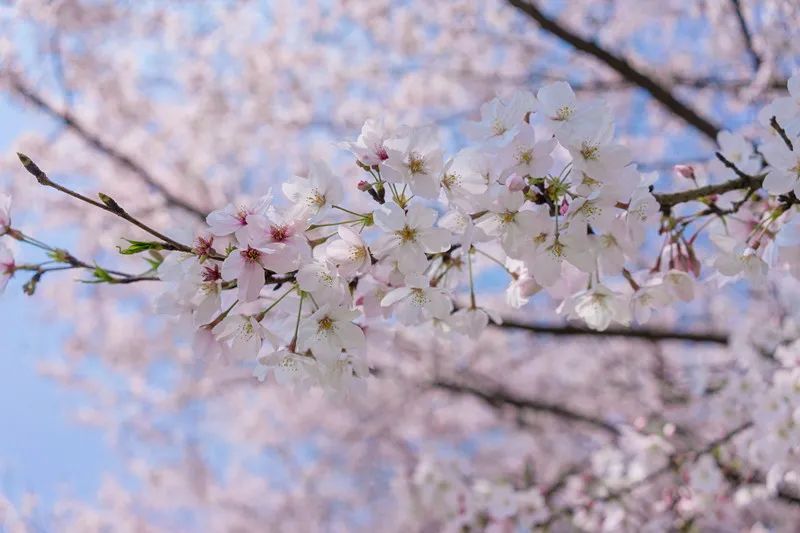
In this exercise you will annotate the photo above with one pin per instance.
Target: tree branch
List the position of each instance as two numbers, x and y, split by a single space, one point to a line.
674 462
621 66
652 334
499 397
68 120
667 200
107 204
746 35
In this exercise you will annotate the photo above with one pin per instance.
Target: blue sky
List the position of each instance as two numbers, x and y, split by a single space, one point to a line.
41 448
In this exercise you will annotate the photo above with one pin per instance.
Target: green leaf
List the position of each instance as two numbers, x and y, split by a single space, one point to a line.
101 275
137 247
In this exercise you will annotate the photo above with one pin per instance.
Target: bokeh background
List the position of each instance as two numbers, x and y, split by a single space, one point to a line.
175 108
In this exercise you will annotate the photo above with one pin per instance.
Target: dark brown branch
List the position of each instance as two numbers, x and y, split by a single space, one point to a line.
746 35
667 200
93 140
499 398
621 66
652 334
782 132
107 204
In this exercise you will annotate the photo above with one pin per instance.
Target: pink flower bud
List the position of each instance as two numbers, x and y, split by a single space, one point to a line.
564 207
687 171
364 185
515 182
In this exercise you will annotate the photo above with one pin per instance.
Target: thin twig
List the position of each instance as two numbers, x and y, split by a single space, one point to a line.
107 204
621 66
746 34
782 132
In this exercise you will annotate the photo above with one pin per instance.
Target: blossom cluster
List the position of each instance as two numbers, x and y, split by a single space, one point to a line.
542 190
543 187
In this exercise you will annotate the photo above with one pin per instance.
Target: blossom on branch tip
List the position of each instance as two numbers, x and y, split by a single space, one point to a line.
598 307
409 236
370 147
289 368
734 258
315 193
246 266
500 117
349 253
415 159
418 301
282 237
235 218
330 330
525 156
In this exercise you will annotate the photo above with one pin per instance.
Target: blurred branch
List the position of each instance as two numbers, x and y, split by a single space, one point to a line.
652 334
621 66
746 35
499 397
72 123
673 463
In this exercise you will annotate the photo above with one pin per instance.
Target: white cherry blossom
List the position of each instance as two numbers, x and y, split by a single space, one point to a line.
409 236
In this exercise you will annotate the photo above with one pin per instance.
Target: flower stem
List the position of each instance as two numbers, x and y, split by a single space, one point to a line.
260 316
471 282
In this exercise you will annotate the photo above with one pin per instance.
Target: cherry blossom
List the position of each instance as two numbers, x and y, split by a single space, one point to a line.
349 253
5 213
236 218
408 295
7 266
410 235
416 159
418 301
329 331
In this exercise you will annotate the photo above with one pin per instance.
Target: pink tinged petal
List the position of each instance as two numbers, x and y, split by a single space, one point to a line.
339 251
555 95
390 217
434 240
395 296
411 259
232 266
350 335
250 281
408 313
425 186
349 236
440 305
779 182
222 223
420 217
546 269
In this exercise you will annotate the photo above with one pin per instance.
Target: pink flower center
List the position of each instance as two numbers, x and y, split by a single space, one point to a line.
251 255
211 273
279 233
203 246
